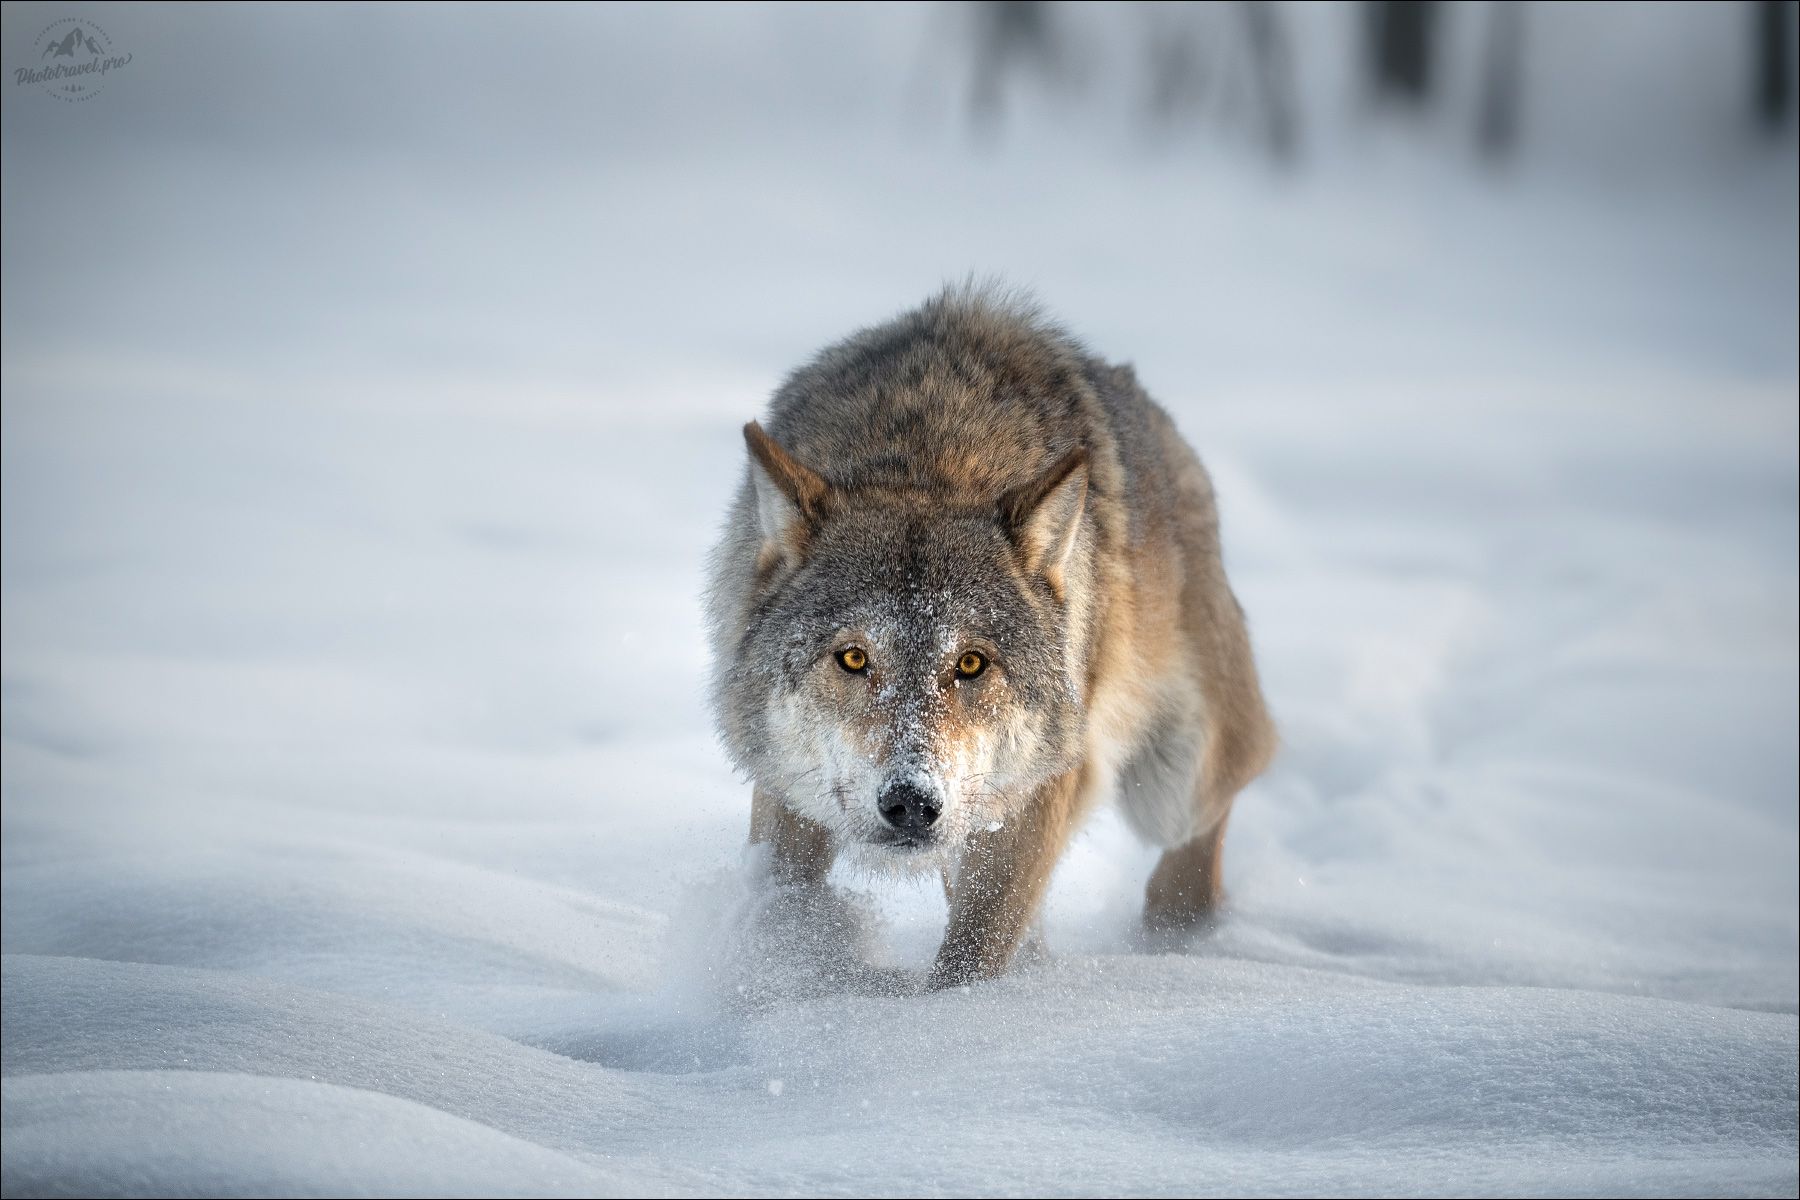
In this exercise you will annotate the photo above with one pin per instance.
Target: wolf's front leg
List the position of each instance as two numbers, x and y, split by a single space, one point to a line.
1001 883
800 851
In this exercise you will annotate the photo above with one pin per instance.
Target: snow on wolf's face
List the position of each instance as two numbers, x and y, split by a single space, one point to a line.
921 687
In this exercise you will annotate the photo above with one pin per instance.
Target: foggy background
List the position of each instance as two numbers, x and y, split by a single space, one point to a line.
371 382
713 190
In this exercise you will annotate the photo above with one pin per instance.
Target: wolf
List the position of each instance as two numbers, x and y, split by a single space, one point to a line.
970 587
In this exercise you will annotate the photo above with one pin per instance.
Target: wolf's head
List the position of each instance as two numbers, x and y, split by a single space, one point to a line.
904 674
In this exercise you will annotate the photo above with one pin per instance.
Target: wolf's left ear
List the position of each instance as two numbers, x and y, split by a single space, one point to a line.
1044 515
789 496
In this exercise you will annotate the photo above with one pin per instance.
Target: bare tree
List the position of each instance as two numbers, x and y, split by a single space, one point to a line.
1197 59
1228 59
1008 36
1772 28
1401 43
1274 72
1497 121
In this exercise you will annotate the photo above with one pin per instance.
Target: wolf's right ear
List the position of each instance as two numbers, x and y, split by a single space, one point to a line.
1044 516
790 497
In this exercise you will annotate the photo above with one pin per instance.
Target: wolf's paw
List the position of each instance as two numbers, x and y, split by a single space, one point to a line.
953 970
803 941
870 980
1172 930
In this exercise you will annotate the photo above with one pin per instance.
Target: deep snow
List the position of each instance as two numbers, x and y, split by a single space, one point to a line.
362 827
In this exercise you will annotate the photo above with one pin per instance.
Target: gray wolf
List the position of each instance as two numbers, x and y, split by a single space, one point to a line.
970 587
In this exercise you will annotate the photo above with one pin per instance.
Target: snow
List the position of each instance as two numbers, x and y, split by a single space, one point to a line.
362 828
1121 1074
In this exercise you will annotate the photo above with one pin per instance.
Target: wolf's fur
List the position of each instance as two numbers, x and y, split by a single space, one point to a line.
967 477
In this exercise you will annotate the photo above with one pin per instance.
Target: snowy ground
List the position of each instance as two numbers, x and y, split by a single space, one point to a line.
363 831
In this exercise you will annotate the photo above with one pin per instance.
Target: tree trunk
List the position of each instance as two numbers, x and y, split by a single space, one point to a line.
1772 24
1497 124
1270 63
1400 41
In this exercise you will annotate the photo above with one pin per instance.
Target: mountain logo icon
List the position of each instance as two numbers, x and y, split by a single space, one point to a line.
73 58
77 39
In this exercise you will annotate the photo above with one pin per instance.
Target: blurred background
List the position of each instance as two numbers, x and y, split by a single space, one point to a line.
371 384
626 202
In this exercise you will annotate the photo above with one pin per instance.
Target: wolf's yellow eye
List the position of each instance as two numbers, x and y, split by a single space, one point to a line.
852 659
970 665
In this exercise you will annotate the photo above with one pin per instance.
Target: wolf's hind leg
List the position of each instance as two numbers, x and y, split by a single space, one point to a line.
1187 886
800 850
1001 883
1237 742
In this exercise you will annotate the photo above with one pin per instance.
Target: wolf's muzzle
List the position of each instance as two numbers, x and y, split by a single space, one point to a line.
910 809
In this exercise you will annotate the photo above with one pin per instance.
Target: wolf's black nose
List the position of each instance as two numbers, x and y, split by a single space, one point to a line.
909 808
